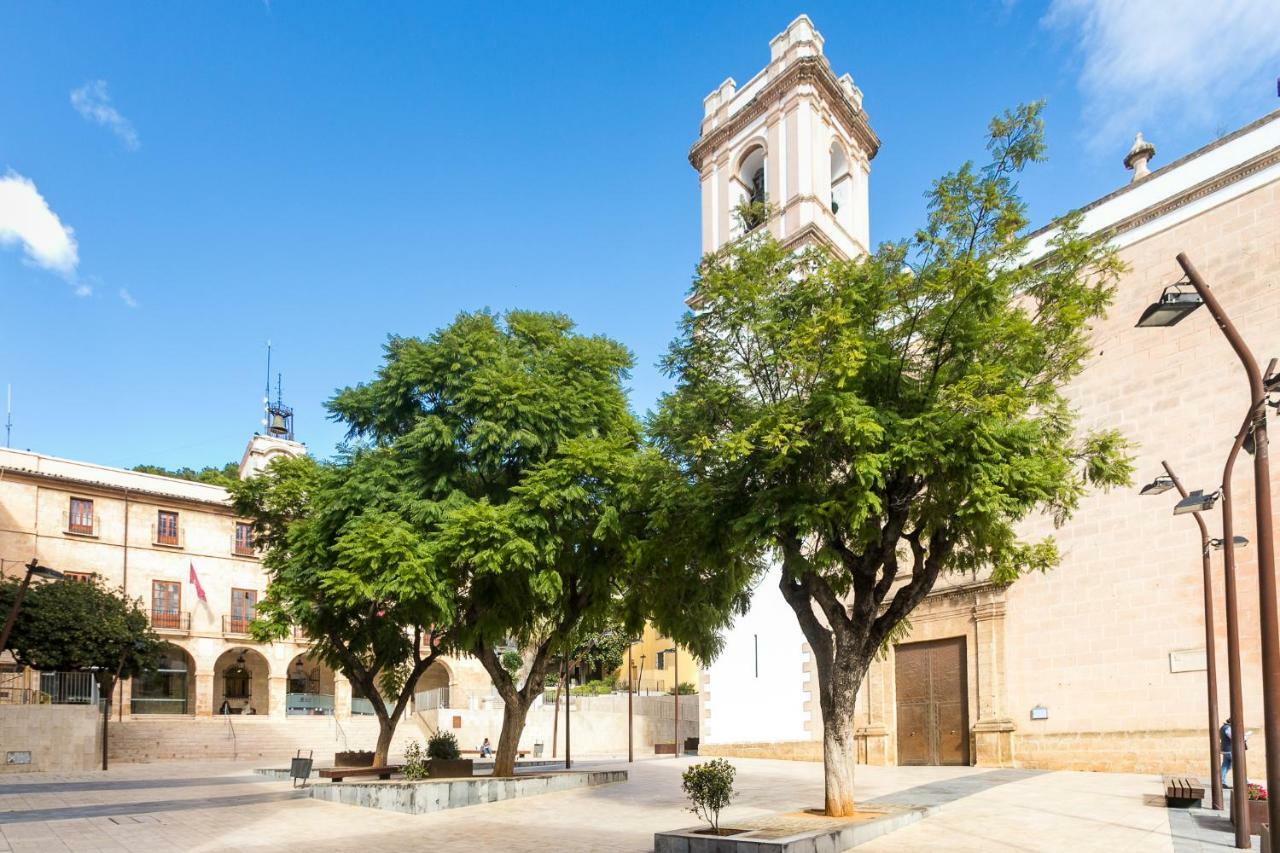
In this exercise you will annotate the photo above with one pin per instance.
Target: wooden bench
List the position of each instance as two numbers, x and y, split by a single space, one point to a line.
1181 792
337 774
520 753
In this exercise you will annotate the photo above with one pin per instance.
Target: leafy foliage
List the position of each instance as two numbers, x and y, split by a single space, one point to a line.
414 767
881 421
80 626
443 745
511 661
685 688
709 787
224 476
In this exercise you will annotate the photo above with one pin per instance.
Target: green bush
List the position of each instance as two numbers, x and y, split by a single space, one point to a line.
600 687
709 787
415 762
550 680
685 689
511 661
443 745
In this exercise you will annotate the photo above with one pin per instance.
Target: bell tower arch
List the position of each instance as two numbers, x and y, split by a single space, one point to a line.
795 135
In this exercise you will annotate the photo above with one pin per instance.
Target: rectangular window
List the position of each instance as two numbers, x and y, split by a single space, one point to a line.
80 518
244 605
244 539
82 577
662 660
166 604
166 528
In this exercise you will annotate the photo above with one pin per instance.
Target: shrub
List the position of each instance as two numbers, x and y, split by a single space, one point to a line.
685 689
600 687
415 762
551 679
511 661
1257 792
709 787
443 745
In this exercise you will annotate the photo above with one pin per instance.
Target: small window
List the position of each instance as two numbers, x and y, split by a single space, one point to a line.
662 660
81 577
166 604
80 517
244 539
166 527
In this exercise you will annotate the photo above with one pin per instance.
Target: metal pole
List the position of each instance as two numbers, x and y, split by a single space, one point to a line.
568 700
677 677
17 605
1270 619
631 750
1239 768
1210 651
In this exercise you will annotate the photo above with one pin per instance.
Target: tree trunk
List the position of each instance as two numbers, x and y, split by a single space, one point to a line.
839 756
386 731
513 718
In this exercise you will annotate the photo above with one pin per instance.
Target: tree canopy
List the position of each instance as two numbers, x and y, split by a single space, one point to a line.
880 421
214 476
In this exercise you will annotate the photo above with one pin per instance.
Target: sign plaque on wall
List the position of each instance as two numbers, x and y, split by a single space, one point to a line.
1187 660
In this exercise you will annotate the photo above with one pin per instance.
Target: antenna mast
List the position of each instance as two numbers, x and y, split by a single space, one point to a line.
8 420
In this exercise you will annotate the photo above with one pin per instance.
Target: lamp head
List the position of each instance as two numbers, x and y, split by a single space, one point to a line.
39 571
1197 501
1158 486
1236 541
1175 303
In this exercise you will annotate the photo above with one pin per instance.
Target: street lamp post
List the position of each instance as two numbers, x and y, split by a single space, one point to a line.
675 747
1175 304
34 569
631 752
1159 486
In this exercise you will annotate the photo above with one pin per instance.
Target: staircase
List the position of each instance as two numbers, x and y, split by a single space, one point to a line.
245 738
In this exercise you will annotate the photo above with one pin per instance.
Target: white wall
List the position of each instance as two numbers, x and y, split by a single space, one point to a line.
746 707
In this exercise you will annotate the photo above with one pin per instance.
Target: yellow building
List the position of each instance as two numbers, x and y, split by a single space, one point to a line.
654 663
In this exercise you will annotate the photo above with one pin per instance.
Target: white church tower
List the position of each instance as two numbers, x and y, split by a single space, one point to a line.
795 136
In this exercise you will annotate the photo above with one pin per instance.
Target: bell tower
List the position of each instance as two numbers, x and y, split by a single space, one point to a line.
278 439
795 136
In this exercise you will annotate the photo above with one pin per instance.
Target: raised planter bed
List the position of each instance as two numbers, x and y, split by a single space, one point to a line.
1258 815
802 832
353 758
437 795
444 768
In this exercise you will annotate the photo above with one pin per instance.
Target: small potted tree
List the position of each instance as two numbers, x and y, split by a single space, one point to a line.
709 787
443 758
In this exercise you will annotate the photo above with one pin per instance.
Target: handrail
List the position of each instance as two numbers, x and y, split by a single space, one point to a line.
235 752
339 731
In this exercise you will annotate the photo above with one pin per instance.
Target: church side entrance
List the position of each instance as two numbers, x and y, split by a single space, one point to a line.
932 701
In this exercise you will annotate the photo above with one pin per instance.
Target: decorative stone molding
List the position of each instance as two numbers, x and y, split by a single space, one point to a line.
810 70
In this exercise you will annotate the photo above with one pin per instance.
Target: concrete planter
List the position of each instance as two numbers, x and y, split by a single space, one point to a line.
796 833
437 795
353 758
446 768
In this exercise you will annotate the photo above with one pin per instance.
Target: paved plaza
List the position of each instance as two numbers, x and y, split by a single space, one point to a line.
153 808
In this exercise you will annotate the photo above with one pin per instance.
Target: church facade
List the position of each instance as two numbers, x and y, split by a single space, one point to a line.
1099 664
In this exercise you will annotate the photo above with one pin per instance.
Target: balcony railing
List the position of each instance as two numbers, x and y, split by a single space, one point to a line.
430 700
170 620
70 688
243 549
80 524
170 537
361 707
236 624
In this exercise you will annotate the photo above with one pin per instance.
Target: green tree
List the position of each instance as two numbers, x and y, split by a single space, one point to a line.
879 422
224 476
514 438
82 626
350 572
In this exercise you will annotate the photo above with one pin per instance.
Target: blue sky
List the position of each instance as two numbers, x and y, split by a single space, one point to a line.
323 175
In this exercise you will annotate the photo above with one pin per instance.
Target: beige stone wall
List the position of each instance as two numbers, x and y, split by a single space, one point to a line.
1091 641
59 738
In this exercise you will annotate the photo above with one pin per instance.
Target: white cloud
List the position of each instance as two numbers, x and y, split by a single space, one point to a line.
1147 61
127 298
94 103
25 218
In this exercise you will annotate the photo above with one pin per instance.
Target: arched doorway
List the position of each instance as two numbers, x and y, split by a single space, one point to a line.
167 688
240 683
310 687
432 690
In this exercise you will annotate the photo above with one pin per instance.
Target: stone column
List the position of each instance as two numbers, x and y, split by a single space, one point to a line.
277 687
204 694
872 733
120 702
993 731
341 696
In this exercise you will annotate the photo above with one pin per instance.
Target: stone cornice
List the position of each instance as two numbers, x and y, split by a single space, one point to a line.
111 490
808 69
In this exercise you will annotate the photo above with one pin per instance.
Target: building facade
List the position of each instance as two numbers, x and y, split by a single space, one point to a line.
179 547
1099 664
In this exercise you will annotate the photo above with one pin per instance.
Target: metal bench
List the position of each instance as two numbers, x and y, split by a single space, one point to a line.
337 774
1182 792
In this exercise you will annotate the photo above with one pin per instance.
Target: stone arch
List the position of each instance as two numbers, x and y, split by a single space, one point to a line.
169 687
310 686
435 687
241 682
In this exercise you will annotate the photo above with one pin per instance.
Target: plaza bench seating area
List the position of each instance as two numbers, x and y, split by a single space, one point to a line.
337 774
1182 792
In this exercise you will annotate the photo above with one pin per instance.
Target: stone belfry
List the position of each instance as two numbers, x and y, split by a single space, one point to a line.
795 136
